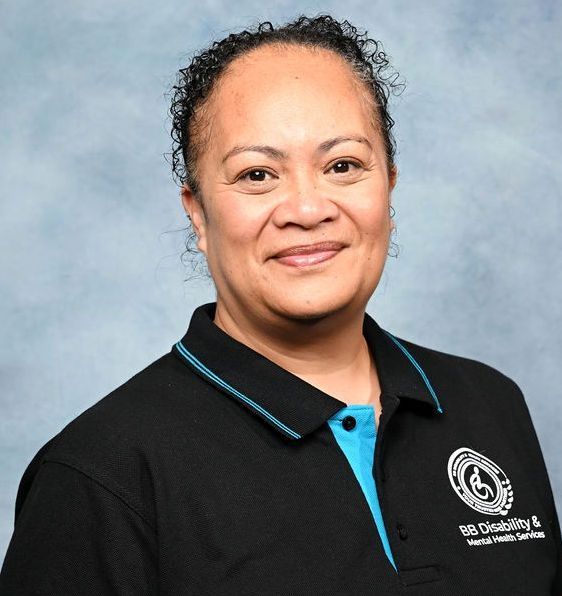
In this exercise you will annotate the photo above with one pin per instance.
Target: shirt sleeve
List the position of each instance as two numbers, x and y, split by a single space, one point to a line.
73 536
540 466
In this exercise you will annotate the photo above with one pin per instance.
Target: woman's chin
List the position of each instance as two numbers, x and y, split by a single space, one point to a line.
311 309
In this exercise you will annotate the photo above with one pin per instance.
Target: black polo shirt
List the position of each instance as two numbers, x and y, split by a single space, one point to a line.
215 471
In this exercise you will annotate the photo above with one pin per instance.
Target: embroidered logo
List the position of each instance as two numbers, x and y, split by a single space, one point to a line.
479 482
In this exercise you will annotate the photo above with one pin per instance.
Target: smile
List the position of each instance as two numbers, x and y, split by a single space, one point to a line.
306 260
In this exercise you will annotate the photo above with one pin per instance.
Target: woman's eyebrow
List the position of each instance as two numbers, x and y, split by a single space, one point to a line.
327 145
278 154
267 149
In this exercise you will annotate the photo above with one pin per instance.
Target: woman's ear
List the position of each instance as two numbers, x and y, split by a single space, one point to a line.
392 176
194 210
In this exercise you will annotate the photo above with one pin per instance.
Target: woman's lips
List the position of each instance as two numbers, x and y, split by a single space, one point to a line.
308 258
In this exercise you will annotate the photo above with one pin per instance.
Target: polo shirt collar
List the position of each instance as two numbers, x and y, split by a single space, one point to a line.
286 402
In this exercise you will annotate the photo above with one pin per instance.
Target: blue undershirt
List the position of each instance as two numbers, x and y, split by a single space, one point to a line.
358 445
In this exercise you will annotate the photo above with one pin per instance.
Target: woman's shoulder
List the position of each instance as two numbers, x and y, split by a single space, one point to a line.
478 397
133 412
460 375
121 440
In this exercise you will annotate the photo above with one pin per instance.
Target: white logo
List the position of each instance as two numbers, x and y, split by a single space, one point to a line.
479 482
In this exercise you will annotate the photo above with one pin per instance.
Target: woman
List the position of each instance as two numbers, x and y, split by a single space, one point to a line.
288 444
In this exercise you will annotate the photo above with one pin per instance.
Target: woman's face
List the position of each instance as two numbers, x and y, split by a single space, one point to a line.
293 160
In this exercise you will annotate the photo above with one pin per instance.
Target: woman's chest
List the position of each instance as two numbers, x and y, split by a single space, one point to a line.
295 518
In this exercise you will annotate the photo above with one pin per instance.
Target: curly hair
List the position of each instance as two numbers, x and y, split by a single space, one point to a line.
195 83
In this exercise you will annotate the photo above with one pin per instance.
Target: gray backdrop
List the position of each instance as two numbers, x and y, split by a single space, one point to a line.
91 223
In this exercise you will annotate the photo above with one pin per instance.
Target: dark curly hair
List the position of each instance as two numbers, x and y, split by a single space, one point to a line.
195 83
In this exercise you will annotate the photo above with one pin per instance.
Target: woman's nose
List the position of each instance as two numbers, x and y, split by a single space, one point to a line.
305 203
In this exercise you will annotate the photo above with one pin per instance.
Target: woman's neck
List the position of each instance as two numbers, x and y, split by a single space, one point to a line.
329 353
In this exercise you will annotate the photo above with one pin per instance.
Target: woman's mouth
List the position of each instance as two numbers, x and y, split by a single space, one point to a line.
310 259
305 256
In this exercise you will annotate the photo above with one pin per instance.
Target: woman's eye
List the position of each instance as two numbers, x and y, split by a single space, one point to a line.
255 176
344 167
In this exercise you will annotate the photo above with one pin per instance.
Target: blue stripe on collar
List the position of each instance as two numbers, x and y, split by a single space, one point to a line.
211 375
418 368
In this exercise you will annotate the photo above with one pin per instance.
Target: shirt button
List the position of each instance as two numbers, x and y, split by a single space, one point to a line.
402 532
348 422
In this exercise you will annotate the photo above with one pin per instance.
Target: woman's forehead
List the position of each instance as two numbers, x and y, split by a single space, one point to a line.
271 61
285 88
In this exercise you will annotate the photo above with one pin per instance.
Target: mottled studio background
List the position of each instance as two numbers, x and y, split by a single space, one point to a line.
91 234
